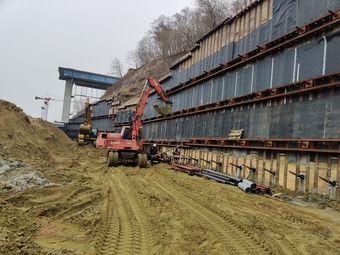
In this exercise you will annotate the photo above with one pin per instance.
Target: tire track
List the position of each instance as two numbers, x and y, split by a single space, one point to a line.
121 231
104 244
227 233
147 231
243 240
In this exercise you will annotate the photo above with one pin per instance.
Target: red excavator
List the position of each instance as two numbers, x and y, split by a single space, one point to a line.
127 146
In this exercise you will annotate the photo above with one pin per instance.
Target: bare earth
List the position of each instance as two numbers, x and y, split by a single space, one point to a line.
78 205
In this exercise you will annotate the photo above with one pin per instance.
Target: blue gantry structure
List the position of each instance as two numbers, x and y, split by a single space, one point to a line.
82 79
87 79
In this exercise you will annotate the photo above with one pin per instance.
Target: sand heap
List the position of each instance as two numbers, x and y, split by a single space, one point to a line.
28 139
41 177
28 148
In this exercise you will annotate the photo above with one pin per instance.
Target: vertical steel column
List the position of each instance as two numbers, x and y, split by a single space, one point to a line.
67 101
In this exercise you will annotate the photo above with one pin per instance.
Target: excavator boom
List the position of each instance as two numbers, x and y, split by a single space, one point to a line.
154 83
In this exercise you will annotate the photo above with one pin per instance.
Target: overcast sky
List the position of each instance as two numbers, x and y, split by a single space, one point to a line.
38 36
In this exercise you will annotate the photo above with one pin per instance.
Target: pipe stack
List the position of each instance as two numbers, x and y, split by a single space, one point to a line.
244 184
251 187
247 186
219 177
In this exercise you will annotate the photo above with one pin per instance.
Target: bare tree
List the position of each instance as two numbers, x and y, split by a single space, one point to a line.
238 5
147 50
169 36
162 32
213 11
133 60
188 29
117 67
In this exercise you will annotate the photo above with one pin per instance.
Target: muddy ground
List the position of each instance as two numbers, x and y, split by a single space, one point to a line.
57 198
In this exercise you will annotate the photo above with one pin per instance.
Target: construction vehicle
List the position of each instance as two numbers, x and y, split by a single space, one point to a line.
127 146
87 134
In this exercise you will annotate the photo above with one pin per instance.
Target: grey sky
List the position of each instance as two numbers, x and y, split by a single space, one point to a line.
38 36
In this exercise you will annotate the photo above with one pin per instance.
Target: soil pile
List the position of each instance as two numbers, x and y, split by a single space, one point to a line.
24 137
40 177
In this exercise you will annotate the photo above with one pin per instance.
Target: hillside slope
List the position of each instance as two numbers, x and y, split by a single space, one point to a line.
131 84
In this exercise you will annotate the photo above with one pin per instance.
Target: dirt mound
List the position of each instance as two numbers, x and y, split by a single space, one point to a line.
42 180
29 139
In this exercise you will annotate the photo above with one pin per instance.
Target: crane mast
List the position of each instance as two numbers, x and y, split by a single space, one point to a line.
44 107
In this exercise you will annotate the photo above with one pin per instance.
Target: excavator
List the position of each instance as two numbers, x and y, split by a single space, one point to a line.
87 134
127 146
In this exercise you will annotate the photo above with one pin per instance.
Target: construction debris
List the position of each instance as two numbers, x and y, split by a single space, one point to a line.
17 176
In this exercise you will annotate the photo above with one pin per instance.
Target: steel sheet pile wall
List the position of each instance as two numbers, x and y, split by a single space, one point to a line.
105 124
124 116
72 128
100 109
307 117
100 117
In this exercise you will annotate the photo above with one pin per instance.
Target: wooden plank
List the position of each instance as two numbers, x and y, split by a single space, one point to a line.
308 177
227 163
252 20
277 170
281 177
337 177
264 165
236 133
224 36
257 166
270 9
264 12
285 177
297 170
236 163
271 166
316 173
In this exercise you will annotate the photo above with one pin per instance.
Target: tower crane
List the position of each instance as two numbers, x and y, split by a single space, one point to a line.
44 107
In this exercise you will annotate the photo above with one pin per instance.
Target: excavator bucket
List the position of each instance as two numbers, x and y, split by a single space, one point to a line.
163 110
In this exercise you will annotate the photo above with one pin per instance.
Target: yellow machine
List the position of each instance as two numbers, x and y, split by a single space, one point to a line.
87 134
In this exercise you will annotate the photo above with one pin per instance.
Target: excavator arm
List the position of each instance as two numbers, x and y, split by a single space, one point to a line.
157 86
87 111
151 82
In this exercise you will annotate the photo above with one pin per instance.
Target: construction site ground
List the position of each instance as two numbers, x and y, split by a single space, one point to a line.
57 198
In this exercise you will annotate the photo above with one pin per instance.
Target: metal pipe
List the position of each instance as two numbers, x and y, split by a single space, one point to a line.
251 184
219 177
225 176
252 169
214 178
331 182
245 187
300 176
324 56
269 171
